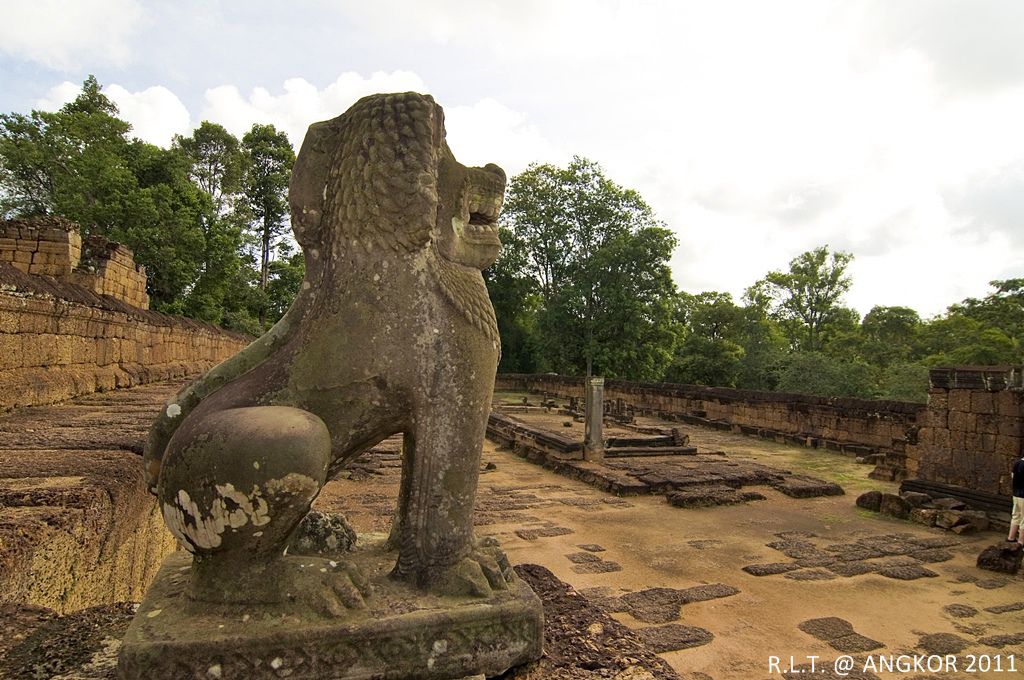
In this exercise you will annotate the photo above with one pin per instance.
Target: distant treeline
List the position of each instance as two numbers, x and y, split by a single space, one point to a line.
583 282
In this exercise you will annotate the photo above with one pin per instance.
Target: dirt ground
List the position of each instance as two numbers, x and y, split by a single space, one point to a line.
716 592
837 579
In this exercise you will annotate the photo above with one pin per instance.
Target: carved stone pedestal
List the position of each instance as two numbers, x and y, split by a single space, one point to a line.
402 633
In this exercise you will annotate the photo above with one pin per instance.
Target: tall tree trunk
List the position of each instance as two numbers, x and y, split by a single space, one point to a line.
264 273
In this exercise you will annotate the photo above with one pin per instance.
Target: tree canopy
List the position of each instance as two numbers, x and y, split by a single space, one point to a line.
583 281
805 299
193 214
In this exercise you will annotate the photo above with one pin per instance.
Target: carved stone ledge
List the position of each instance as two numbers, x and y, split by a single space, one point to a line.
402 633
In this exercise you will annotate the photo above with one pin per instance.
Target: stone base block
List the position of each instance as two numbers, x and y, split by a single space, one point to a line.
402 633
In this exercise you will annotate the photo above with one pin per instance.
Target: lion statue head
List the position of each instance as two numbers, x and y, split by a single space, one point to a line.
380 179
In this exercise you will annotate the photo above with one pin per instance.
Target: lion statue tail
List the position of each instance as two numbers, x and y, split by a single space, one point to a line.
185 401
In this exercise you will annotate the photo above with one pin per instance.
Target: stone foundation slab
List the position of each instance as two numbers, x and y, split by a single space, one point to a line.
401 634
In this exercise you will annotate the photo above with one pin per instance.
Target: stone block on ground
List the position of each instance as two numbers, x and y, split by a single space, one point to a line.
597 567
1005 608
894 506
977 519
801 486
839 634
915 498
1002 640
771 568
942 643
907 572
947 519
949 504
870 500
960 611
854 568
674 636
925 516
542 532
709 496
1004 558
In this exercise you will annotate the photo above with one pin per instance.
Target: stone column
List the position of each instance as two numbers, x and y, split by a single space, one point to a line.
593 442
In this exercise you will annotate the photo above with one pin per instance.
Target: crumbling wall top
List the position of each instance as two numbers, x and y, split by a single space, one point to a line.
53 246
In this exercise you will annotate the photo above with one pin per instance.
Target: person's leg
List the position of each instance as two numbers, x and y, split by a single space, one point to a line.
1016 517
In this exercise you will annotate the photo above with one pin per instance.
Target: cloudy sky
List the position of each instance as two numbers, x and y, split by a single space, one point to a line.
892 129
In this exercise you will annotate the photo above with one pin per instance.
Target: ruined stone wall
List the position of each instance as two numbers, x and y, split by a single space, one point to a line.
59 340
53 246
77 525
856 426
968 435
972 431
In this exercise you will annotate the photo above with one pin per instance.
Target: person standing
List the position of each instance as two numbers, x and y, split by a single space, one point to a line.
1017 516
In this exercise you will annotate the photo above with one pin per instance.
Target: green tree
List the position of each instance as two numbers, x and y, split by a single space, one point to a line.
630 330
269 158
904 382
709 352
1002 309
764 345
890 335
514 294
216 164
599 260
162 222
817 373
957 339
70 161
80 163
286 276
806 298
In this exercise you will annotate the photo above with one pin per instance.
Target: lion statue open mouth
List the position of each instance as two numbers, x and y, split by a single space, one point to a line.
391 332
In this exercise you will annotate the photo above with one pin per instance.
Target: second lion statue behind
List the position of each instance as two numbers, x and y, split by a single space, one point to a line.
391 332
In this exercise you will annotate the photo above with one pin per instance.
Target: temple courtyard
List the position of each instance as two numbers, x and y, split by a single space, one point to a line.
749 589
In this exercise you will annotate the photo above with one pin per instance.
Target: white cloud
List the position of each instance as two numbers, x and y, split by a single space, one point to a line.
156 114
973 45
757 130
482 25
931 273
69 35
484 132
490 132
301 103
58 96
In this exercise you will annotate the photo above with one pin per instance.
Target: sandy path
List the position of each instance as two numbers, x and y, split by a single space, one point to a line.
657 545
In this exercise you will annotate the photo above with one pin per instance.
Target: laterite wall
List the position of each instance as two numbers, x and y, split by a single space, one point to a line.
857 426
73 319
968 434
972 432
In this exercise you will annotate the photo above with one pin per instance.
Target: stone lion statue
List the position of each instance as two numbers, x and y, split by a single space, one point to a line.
391 332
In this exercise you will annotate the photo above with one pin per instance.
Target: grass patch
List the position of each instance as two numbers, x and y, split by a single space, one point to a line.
833 467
